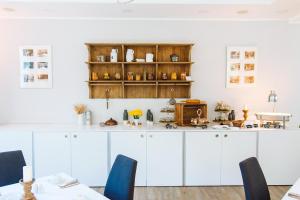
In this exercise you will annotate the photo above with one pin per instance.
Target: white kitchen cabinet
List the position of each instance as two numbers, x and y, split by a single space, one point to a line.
164 158
133 145
17 140
89 157
52 153
278 154
212 158
236 147
202 158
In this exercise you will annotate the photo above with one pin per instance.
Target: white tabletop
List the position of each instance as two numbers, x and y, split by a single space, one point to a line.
294 189
45 189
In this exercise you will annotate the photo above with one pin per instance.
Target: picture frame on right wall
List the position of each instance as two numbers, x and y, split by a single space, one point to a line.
241 67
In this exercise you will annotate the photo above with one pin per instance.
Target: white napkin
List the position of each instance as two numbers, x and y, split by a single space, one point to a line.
62 180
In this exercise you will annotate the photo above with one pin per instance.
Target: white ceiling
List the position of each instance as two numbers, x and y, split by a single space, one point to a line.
232 10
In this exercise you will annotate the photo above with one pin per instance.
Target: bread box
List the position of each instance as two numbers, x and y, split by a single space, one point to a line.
184 112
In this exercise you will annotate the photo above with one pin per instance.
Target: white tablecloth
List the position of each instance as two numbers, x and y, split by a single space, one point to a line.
45 189
294 189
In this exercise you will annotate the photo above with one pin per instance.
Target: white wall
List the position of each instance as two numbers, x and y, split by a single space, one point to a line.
279 65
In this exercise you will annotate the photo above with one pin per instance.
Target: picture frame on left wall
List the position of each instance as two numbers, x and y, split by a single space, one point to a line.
35 66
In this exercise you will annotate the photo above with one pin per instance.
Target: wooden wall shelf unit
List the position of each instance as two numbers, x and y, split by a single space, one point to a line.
143 88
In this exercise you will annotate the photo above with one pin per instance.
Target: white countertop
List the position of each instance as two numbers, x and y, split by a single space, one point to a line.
77 128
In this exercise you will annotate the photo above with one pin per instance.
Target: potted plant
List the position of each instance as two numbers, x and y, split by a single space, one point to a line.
80 110
136 114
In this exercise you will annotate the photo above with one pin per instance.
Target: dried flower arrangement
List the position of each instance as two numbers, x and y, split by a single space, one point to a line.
80 109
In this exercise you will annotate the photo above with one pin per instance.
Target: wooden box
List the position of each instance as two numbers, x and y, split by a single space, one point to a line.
184 112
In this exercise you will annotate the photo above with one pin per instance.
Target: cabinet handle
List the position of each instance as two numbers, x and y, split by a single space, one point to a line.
141 135
75 136
66 136
217 135
226 135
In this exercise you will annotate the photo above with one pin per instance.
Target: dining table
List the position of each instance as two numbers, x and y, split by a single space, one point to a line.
53 187
294 192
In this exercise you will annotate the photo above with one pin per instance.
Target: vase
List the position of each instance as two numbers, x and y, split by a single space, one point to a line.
136 122
80 119
233 114
125 115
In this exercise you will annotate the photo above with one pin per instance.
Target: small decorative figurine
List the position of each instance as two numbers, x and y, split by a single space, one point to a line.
173 76
95 76
106 76
117 76
164 76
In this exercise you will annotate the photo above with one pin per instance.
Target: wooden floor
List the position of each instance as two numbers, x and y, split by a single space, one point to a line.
199 193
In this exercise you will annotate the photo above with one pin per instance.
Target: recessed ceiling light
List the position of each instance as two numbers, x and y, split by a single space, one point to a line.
242 12
9 9
46 10
283 11
127 11
124 1
202 11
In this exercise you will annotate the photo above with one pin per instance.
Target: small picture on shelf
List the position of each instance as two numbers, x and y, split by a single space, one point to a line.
235 54
28 78
27 52
42 65
249 54
249 79
42 76
249 67
235 79
42 52
235 66
28 65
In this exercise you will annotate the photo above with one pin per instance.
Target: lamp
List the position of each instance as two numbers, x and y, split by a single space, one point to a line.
273 98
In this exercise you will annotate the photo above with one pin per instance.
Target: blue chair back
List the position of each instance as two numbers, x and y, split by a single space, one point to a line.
120 182
11 167
255 184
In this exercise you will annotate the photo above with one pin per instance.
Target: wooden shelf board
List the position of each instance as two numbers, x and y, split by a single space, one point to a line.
142 81
175 44
105 81
140 84
137 44
103 63
173 81
102 44
139 63
174 63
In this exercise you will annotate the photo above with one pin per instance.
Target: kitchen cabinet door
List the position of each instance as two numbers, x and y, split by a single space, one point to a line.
202 158
89 157
17 140
133 145
164 158
52 153
236 147
278 154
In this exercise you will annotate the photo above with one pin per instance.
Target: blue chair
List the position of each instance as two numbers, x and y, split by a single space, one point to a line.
120 182
255 184
11 167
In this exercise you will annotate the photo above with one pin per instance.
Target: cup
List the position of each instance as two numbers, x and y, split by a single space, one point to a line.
149 57
100 58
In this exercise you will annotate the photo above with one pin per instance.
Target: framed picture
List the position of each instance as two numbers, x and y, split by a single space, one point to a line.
35 67
241 67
